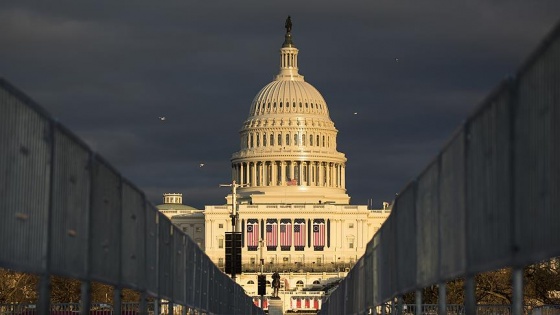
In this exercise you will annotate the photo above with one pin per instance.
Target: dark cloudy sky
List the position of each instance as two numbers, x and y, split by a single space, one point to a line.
109 69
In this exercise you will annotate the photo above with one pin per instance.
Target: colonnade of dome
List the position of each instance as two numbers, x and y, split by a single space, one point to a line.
293 173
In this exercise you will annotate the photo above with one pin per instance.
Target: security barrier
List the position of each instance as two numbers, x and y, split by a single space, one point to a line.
490 199
65 211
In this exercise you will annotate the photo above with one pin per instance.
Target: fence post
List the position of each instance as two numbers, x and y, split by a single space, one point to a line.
117 300
517 283
470 298
442 296
418 297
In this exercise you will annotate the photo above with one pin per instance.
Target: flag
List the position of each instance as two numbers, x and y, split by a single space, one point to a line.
318 233
271 233
299 233
291 182
285 233
252 234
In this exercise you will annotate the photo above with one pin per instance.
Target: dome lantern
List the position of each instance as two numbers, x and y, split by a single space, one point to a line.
288 57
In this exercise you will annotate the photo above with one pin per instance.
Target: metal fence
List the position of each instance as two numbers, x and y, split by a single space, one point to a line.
127 308
490 199
65 211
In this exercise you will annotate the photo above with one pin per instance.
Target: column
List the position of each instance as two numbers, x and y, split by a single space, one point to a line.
292 170
265 173
254 175
328 167
343 176
261 173
321 173
282 173
241 174
301 172
247 172
274 179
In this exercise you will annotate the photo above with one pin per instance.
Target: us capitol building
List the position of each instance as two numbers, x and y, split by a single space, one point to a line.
293 208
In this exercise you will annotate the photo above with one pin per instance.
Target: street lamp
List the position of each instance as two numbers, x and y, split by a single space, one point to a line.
234 215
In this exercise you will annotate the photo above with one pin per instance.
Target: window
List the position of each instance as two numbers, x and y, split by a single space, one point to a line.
185 229
303 139
316 282
221 225
299 284
220 243
316 143
220 262
288 139
285 260
350 242
198 229
259 142
296 139
271 140
250 282
310 139
279 139
264 139
253 260
350 225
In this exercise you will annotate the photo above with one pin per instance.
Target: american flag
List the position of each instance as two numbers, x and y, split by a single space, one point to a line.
291 182
252 233
318 234
299 234
285 233
271 234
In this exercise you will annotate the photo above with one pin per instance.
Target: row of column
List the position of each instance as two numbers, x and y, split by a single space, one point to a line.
285 173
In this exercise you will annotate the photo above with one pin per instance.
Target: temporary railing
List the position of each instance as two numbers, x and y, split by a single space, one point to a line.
65 211
490 199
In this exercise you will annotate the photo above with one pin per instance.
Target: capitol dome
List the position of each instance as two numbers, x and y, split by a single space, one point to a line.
288 143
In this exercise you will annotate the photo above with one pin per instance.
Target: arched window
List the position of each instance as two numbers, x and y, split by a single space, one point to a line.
288 139
264 139
258 140
280 104
251 140
316 143
294 104
279 139
250 282
316 282
299 284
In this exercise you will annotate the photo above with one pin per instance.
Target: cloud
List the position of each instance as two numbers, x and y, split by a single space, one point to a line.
109 69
